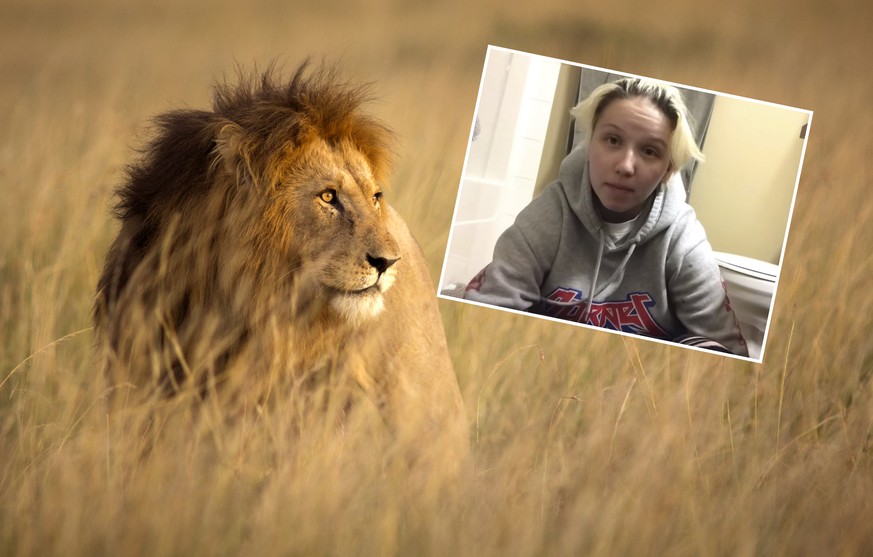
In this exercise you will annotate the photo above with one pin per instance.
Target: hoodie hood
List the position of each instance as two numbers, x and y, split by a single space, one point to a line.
662 208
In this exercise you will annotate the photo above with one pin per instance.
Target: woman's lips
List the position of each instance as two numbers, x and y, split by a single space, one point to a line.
619 187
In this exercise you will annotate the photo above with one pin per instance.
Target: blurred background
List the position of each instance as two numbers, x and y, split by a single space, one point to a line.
583 443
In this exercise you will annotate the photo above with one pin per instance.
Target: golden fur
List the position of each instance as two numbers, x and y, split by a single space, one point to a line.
256 247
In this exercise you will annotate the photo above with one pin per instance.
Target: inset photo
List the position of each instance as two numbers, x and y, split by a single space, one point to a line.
626 203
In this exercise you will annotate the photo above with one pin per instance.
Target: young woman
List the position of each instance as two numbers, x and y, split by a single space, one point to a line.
611 242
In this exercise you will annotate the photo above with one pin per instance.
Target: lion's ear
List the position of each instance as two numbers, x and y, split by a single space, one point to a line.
231 152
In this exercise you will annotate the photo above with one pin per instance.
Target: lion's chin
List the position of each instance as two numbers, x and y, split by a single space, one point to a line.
357 307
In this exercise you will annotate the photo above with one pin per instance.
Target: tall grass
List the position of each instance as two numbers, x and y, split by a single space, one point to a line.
582 442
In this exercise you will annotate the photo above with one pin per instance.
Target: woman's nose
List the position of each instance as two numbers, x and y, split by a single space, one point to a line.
625 164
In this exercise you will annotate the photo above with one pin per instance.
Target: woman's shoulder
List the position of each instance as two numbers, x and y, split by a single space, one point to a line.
548 205
688 229
542 221
687 240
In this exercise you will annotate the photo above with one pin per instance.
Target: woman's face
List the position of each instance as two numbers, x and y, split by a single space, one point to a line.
628 156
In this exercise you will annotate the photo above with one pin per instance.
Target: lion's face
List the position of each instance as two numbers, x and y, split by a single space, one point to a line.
339 237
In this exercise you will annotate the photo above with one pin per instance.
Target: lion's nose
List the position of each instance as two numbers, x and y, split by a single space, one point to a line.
381 264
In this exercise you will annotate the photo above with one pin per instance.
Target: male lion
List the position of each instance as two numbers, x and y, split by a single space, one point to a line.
256 249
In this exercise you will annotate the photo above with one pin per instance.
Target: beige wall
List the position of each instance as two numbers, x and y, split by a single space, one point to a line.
742 193
555 145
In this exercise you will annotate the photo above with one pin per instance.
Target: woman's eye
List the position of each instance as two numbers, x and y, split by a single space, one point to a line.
328 196
612 140
651 152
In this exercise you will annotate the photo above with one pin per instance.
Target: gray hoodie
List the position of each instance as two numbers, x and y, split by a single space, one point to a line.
660 280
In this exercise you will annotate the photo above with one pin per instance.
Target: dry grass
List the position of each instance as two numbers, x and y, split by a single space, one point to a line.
583 443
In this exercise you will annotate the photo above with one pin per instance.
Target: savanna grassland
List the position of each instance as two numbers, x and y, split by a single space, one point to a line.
583 443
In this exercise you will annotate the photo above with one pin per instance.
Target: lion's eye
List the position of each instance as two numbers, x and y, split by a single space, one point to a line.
377 197
328 196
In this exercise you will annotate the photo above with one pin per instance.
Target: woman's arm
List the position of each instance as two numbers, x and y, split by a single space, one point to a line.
513 278
522 256
700 301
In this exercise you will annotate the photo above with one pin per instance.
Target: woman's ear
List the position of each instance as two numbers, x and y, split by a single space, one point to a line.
671 169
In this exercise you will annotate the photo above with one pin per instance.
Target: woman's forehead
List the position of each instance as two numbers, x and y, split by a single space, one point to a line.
637 115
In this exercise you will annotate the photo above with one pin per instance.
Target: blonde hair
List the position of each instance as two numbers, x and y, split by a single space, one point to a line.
683 147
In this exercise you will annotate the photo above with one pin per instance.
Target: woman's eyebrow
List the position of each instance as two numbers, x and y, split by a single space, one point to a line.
611 125
650 139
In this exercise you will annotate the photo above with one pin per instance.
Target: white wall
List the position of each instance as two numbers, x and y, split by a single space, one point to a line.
514 106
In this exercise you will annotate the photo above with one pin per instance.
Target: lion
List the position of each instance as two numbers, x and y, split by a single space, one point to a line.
257 246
